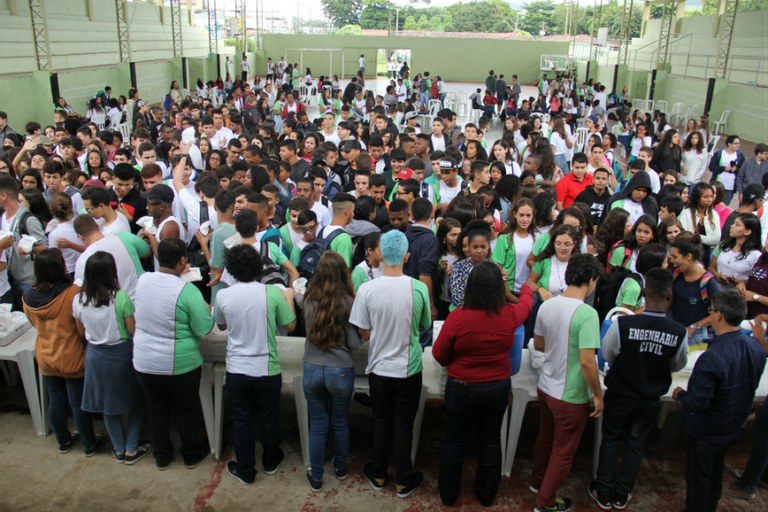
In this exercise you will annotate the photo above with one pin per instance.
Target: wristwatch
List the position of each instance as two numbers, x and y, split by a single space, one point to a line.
697 325
755 297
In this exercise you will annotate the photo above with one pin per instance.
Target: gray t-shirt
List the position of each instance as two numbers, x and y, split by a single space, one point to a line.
22 267
340 356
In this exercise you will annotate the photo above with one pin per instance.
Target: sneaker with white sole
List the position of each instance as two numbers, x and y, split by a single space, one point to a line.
620 502
603 502
141 451
405 490
377 484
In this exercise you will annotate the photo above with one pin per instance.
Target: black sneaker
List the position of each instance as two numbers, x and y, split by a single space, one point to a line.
232 470
561 505
141 451
341 474
602 502
204 453
64 448
315 485
403 491
377 484
98 441
273 469
620 502
534 488
162 466
363 399
119 457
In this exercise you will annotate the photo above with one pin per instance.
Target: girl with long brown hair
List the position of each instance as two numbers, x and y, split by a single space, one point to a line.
329 370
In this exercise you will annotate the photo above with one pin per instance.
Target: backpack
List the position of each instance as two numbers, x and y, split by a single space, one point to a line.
167 102
624 261
311 254
434 92
195 253
608 287
423 85
703 286
270 273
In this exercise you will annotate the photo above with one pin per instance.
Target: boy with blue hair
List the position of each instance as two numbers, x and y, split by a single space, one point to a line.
390 311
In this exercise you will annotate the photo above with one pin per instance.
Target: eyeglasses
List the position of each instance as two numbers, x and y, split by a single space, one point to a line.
89 210
308 229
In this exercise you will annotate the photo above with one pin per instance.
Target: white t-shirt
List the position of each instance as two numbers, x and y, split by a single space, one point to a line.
251 341
332 137
729 264
323 214
523 247
66 231
100 323
224 132
5 286
438 143
120 225
127 273
560 147
638 143
447 194
191 204
655 181
392 308
556 284
634 209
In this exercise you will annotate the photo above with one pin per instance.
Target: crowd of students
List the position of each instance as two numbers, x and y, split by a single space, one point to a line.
358 227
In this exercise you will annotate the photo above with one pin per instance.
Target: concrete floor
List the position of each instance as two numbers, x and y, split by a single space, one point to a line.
36 477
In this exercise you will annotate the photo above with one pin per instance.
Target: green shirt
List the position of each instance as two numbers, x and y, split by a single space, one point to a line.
218 250
544 269
504 255
630 294
123 309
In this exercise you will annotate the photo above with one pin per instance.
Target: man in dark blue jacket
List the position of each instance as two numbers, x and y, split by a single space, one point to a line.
643 351
424 252
720 395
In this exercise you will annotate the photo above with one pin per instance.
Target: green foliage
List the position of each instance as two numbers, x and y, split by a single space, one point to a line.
376 15
481 16
349 30
237 42
539 15
343 12
610 17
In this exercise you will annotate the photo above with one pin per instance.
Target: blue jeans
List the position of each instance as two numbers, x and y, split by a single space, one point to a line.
473 408
628 421
328 392
246 396
757 465
124 440
61 390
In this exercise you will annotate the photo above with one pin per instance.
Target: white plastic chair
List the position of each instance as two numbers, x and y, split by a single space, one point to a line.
434 108
721 125
648 106
675 115
638 104
581 122
125 131
582 134
712 146
661 106
523 391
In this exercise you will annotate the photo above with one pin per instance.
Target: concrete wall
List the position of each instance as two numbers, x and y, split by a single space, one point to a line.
454 60
85 54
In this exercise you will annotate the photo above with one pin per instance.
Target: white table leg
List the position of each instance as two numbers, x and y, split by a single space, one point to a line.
206 401
417 424
26 362
219 376
302 415
520 400
43 392
598 442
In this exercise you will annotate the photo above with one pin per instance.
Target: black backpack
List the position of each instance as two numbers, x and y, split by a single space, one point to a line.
311 254
608 287
195 253
270 273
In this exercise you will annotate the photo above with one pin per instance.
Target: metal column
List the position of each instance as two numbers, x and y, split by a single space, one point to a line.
176 27
626 31
596 19
40 35
669 8
123 35
726 19
213 41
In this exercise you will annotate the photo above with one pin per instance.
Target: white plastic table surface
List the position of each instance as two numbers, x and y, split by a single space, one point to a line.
22 352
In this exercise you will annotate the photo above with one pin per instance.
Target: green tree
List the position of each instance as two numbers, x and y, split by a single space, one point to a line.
376 15
410 24
343 12
480 16
349 30
539 15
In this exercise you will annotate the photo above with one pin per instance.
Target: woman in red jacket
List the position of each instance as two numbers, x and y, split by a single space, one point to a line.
474 344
